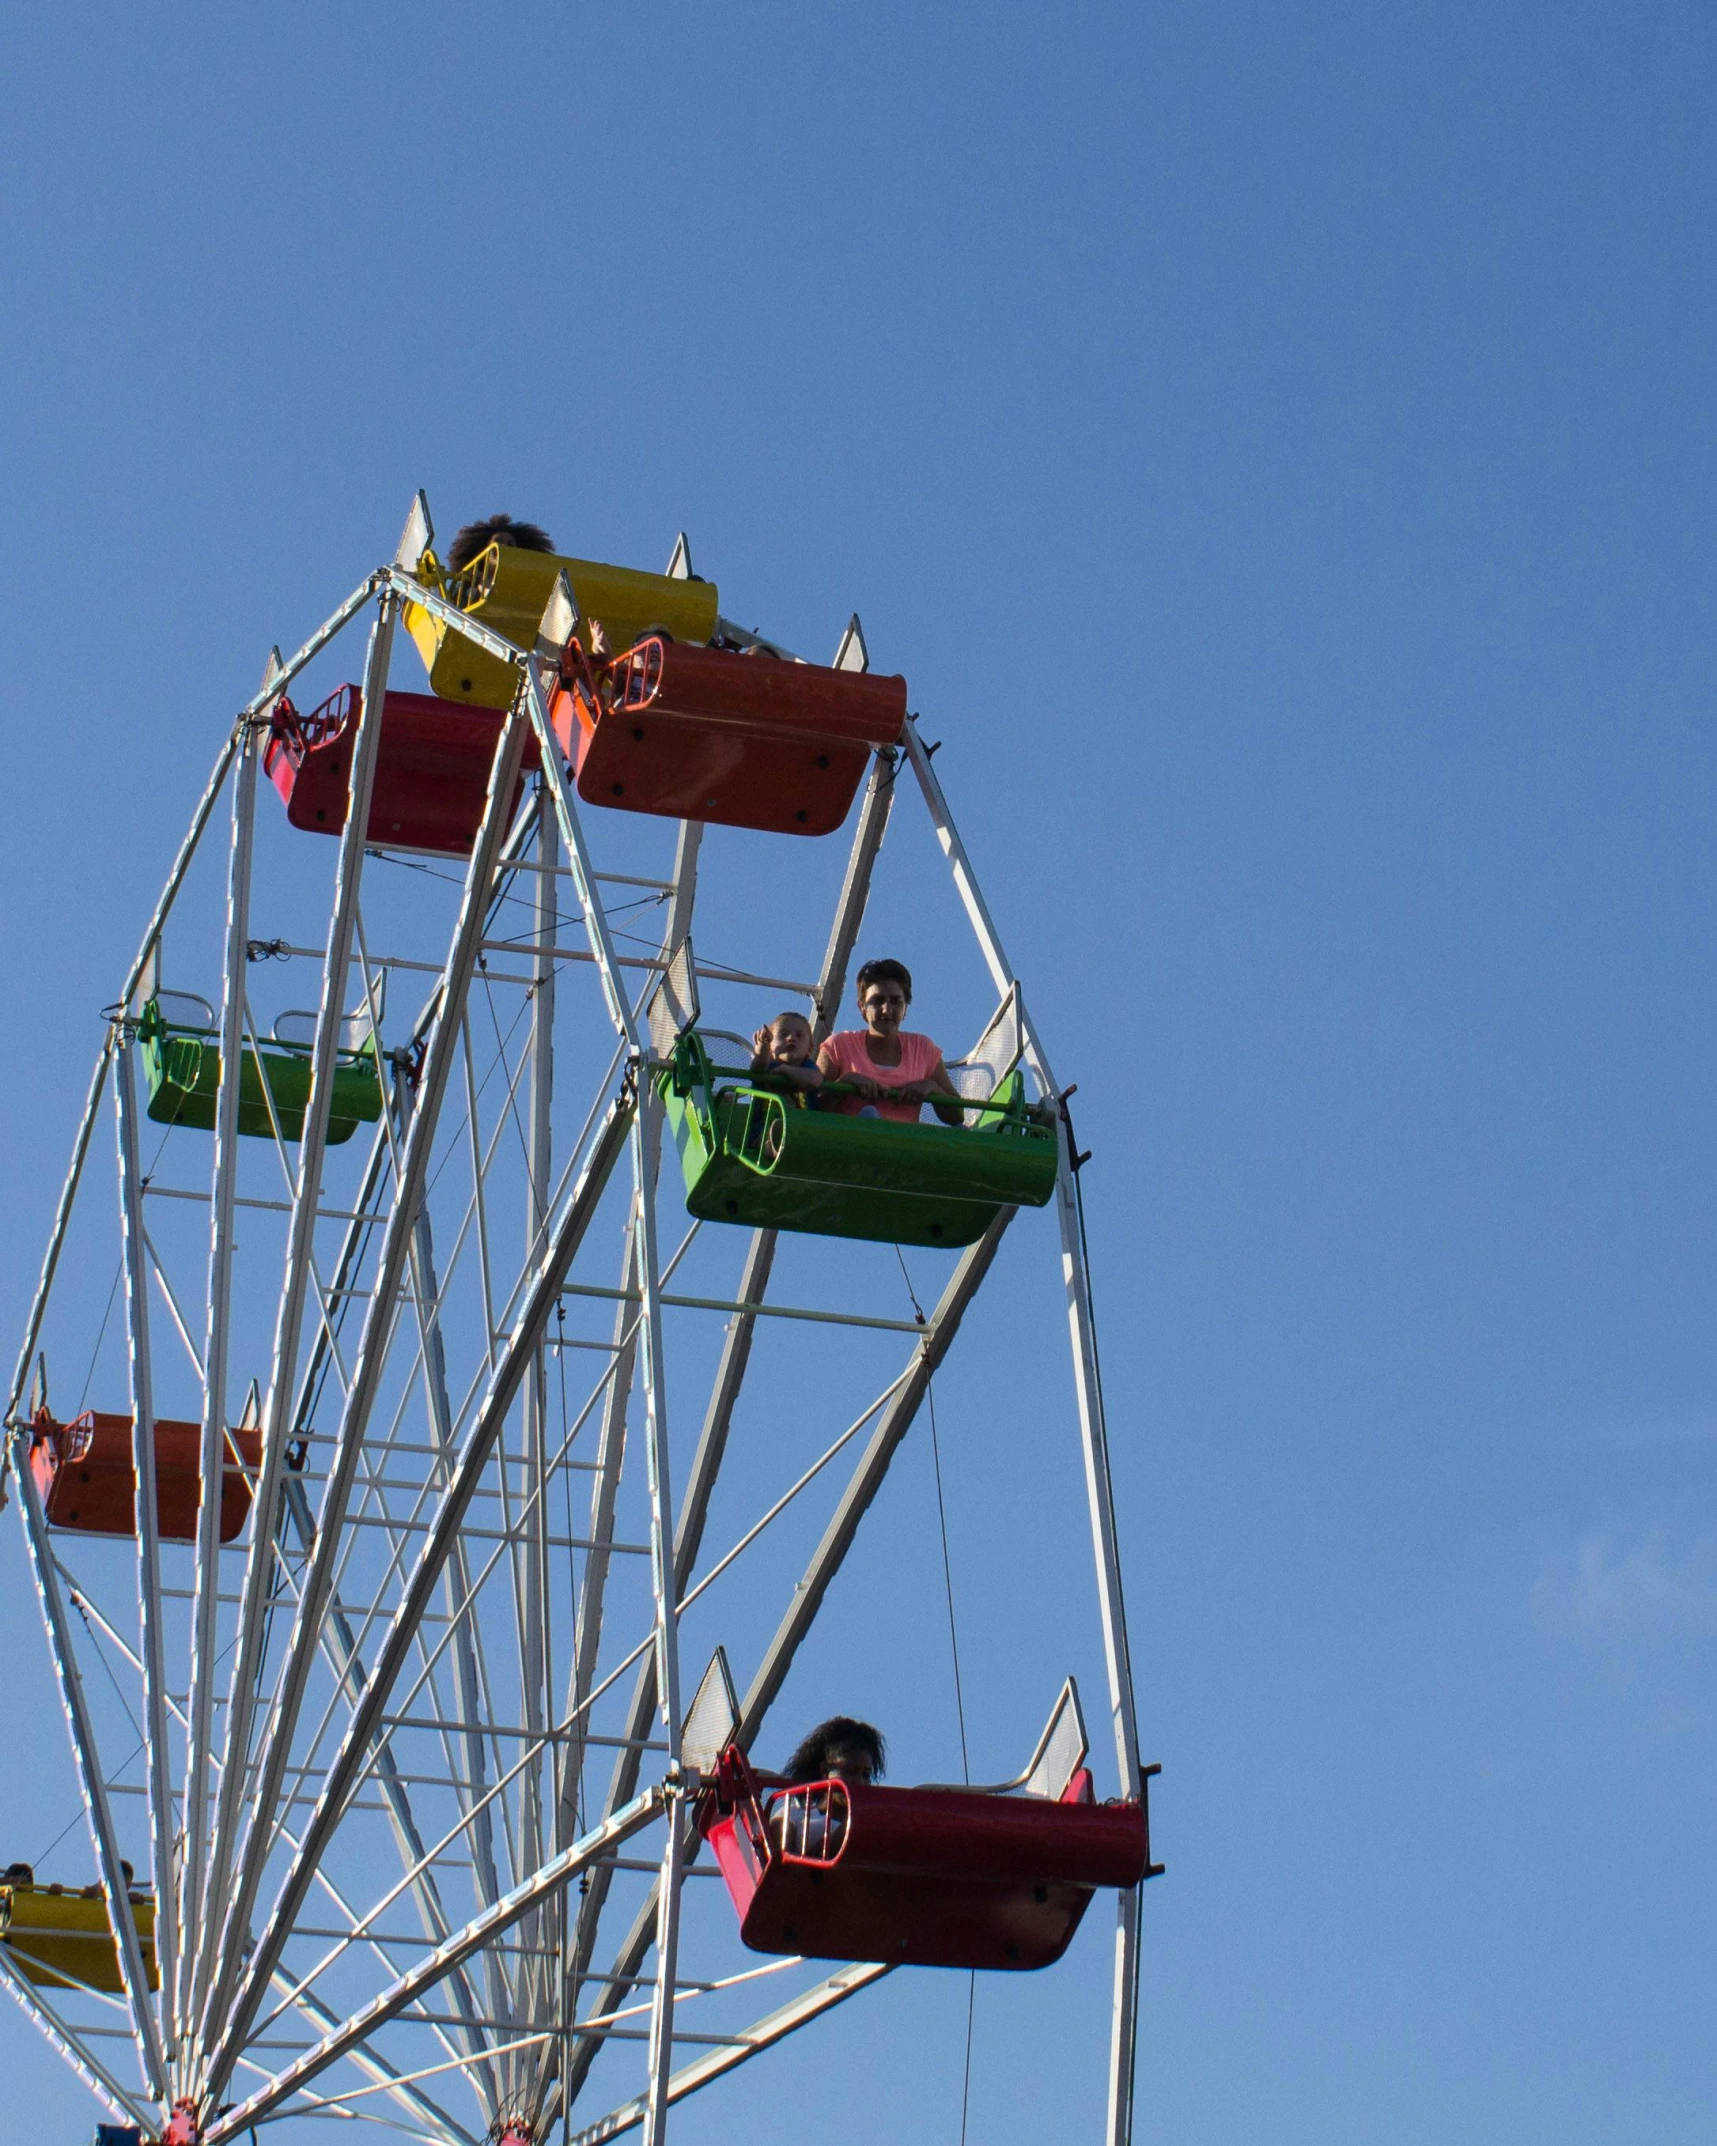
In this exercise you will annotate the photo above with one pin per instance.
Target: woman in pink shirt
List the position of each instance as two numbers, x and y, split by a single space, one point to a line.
893 1072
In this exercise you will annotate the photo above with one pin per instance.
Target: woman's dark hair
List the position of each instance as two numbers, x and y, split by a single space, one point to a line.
476 537
839 1733
885 972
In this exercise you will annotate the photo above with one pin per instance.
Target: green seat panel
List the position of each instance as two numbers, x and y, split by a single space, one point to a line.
751 1157
183 1069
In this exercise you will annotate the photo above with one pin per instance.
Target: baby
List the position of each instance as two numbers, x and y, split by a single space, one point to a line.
784 1057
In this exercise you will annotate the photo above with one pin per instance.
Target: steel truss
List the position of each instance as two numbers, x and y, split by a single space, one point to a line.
359 1750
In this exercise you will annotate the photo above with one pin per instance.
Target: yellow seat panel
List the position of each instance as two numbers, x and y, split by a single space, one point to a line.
60 1940
508 589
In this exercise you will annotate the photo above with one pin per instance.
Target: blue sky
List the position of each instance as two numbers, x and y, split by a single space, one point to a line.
1276 443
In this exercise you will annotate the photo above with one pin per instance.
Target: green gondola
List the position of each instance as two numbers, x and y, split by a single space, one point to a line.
757 1158
182 1064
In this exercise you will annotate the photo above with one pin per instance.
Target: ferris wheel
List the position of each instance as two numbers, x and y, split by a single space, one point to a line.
416 1666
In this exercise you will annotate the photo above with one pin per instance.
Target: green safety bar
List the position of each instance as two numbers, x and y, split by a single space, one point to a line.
183 1068
761 1159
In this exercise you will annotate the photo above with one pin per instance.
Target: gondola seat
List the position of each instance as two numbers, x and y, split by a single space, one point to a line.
707 734
925 1877
507 590
86 1473
180 1041
432 768
757 1158
60 1940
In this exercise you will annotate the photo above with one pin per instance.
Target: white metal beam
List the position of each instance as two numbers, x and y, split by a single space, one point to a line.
416 1595
773 2027
492 1923
151 1639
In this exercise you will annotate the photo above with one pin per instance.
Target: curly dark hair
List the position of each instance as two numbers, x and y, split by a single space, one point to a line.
476 537
885 972
812 1760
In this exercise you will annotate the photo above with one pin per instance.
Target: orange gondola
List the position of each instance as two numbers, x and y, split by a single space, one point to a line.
743 740
86 1473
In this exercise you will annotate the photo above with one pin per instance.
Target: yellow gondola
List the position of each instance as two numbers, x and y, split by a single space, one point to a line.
507 589
60 1940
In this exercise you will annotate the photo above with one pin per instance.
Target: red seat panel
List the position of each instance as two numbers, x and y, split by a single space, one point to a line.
432 768
932 1877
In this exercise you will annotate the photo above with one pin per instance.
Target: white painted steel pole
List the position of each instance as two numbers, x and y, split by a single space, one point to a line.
195 1957
1093 1439
97 1806
278 1409
151 1641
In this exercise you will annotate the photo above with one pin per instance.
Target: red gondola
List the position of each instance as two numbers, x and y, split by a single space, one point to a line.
432 768
87 1476
925 1877
704 734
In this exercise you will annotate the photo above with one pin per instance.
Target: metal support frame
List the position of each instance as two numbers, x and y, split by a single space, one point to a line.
645 1147
730 1377
773 2027
295 1282
1094 1444
280 676
532 1570
855 889
629 1759
193 1959
867 1479
366 1714
367 1369
435 1560
152 1642
97 1807
47 2022
895 1420
480 1931
408 2094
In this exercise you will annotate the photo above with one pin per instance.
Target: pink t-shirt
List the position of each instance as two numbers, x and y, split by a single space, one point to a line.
850 1049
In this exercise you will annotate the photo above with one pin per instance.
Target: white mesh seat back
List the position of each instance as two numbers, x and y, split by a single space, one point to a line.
297 1030
673 1004
184 1009
560 618
742 1044
711 1718
148 984
365 1020
1060 1750
993 1057
416 537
